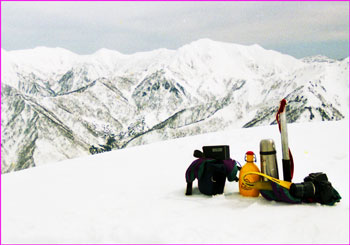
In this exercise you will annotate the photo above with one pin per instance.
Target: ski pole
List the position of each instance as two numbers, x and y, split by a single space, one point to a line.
282 122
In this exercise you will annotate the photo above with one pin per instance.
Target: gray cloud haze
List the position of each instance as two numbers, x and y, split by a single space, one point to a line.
296 28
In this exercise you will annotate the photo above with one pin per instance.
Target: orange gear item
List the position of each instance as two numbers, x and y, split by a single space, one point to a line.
245 190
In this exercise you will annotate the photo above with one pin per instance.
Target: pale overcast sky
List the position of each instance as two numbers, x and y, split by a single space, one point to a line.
296 28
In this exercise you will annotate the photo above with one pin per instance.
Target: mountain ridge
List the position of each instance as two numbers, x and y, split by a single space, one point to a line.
79 101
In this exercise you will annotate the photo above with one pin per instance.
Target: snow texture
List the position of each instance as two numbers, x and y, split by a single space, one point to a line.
136 195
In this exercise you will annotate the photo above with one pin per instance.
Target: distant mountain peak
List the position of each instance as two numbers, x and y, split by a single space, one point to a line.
105 51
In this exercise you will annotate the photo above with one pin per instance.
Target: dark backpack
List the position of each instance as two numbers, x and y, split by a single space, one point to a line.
213 179
211 175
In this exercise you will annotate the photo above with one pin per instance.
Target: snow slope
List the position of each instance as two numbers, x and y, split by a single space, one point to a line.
136 195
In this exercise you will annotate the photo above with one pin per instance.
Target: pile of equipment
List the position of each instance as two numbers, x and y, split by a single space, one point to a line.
213 165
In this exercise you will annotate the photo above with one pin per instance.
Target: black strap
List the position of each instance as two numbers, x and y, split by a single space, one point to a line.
189 189
267 153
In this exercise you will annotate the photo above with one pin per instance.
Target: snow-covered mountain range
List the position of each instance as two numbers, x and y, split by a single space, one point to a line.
56 105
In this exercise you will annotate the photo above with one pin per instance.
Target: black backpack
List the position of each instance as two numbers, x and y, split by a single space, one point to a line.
213 179
211 175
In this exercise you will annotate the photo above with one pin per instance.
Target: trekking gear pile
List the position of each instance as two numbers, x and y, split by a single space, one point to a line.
214 165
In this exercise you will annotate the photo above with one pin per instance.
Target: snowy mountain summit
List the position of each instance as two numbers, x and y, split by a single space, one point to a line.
57 105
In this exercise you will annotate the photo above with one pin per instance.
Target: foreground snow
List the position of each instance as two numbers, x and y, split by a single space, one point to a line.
136 195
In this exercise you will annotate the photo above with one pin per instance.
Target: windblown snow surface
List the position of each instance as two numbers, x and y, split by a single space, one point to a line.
136 195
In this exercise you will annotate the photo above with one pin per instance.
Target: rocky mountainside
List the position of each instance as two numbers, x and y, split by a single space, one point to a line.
56 105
